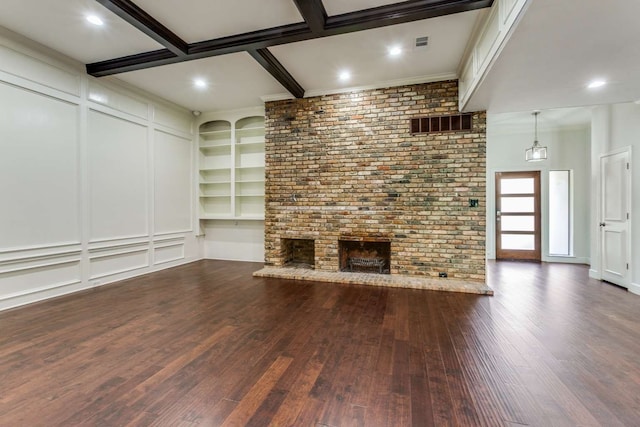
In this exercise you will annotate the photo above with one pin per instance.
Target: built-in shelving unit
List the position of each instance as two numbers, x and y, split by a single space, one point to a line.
231 166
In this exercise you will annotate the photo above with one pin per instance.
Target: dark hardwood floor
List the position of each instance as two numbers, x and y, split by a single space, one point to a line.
207 344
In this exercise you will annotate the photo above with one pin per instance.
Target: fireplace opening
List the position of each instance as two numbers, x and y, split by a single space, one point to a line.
365 256
299 253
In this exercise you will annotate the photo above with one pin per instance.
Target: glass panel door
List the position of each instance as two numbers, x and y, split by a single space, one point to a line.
518 215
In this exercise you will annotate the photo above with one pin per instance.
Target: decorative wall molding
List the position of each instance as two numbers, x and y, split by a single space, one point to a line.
30 271
39 72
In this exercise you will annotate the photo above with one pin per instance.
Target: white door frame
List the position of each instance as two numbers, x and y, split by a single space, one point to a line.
627 280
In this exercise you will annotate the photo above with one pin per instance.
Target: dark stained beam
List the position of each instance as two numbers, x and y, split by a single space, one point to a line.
313 13
277 70
397 13
222 46
146 23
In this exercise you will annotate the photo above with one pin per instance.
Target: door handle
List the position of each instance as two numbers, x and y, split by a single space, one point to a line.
602 224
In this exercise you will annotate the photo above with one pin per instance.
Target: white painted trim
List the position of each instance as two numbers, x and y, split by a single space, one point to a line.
594 274
384 85
96 242
380 85
567 260
634 288
234 259
38 290
62 245
38 88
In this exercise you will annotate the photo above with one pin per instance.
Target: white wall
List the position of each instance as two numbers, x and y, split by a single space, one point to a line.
614 127
568 148
234 240
96 179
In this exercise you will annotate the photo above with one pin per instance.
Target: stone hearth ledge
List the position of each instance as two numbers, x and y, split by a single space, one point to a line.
388 280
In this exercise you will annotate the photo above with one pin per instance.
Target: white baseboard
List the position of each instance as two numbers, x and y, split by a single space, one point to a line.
567 260
594 274
634 288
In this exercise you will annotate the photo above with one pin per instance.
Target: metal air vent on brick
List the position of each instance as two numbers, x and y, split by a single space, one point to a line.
433 124
422 42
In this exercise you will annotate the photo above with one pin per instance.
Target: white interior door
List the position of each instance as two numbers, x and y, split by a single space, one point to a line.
615 217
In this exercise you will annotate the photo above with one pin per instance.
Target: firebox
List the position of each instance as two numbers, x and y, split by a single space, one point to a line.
298 253
365 255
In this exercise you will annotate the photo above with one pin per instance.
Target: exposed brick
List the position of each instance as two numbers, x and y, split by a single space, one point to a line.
356 170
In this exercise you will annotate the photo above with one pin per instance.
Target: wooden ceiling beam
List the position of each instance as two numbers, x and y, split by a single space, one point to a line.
314 14
397 13
146 23
277 70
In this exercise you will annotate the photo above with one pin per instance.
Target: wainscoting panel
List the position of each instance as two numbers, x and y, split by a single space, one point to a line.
173 183
39 169
118 177
113 260
168 250
106 96
30 68
34 278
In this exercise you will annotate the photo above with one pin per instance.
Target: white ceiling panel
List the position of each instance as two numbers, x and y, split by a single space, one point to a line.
315 64
198 20
62 26
338 7
234 81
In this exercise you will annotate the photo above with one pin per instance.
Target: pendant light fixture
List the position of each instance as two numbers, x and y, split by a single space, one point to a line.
536 153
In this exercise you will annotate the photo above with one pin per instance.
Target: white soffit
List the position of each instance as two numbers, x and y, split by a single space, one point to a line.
62 26
315 64
234 81
557 49
198 20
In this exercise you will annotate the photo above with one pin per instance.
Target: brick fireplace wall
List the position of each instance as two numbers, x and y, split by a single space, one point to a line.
346 165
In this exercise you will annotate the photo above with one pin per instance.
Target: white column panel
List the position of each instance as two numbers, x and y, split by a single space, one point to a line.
118 177
39 170
172 183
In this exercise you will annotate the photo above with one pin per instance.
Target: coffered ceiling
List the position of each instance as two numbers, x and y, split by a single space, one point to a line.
250 50
246 51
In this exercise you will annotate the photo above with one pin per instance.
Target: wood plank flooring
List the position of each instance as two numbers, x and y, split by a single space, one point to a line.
207 344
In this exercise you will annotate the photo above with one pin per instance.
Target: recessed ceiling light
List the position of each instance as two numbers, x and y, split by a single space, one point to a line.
95 20
200 83
596 84
395 50
344 75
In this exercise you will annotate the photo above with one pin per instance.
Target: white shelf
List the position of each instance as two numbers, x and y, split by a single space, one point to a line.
216 132
232 162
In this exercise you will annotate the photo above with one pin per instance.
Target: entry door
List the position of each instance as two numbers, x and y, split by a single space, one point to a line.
518 215
614 223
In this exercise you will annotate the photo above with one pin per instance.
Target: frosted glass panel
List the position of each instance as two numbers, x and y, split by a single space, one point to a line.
518 223
522 242
517 204
559 213
516 186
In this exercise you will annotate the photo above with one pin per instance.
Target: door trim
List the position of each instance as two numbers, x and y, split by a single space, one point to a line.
536 253
627 283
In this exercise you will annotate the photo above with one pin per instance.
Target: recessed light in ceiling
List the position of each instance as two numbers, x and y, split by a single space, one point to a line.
95 20
344 75
596 84
395 50
200 83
